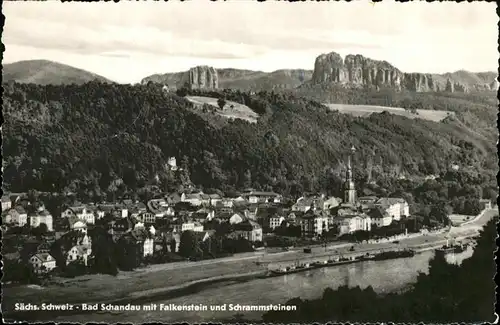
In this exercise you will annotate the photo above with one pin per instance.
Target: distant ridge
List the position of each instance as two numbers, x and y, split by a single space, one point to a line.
242 79
330 69
45 72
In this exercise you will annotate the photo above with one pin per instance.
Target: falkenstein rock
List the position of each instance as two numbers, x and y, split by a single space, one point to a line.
200 77
359 71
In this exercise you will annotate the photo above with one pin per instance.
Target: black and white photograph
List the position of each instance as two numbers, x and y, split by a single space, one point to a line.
249 162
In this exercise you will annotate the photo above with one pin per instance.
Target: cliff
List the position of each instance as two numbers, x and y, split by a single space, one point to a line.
359 71
355 70
200 77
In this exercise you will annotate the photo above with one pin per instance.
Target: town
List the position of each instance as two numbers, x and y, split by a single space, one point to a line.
186 226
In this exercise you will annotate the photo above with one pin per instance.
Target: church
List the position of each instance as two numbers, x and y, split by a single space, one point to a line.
355 214
350 216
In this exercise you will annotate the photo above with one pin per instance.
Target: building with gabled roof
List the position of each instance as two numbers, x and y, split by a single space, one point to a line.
379 216
314 222
39 217
42 262
395 207
6 203
248 229
79 253
81 212
16 216
352 223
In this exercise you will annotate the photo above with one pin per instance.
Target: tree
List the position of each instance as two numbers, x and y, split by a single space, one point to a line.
182 92
187 244
41 230
221 102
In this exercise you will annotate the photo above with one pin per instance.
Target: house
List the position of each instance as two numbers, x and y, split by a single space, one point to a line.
138 225
352 223
16 216
180 226
79 253
395 207
368 200
215 199
331 202
105 209
275 221
294 218
136 209
226 202
379 216
303 204
134 245
145 238
314 223
6 203
31 247
203 215
81 212
485 204
193 198
75 223
121 225
248 229
42 262
172 161
236 218
39 217
223 215
16 198
146 217
261 197
198 227
163 211
239 199
172 199
205 199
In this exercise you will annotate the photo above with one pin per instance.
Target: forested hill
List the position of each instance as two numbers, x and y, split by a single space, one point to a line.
46 72
97 136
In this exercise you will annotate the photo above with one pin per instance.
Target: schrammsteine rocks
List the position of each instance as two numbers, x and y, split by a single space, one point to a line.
359 71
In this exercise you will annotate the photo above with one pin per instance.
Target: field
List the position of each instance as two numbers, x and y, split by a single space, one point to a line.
366 110
231 110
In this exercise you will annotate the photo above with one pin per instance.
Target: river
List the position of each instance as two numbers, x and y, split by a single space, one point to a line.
384 276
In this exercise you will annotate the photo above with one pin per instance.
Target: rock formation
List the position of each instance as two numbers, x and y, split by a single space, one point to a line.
200 77
420 82
357 70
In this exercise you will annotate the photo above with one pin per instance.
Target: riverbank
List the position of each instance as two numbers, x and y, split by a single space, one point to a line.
147 295
170 280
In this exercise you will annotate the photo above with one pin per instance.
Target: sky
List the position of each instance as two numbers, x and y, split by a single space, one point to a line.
128 41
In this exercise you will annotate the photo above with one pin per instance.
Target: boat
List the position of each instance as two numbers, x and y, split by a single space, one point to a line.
290 270
340 261
446 249
452 249
393 254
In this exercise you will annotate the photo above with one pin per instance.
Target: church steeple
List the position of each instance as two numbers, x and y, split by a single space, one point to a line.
349 188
